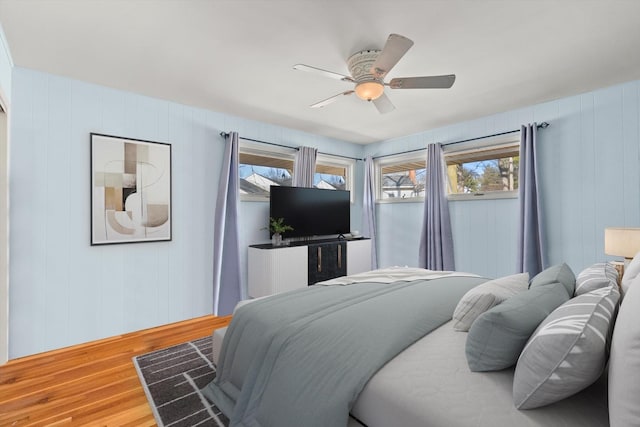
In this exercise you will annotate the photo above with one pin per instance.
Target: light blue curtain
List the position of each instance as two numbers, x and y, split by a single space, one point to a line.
436 239
369 208
530 238
304 167
226 248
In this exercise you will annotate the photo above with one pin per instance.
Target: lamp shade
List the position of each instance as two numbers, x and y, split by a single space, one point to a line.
620 241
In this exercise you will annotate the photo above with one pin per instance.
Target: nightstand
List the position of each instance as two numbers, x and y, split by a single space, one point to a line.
619 265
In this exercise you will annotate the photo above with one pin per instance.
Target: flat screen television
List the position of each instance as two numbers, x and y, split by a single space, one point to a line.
311 211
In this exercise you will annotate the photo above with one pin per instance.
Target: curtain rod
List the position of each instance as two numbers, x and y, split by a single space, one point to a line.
224 135
541 125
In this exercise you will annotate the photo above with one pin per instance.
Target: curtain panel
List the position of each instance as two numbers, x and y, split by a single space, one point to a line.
530 238
227 288
436 239
304 169
369 208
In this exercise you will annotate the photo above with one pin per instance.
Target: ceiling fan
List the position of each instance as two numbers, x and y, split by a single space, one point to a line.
368 69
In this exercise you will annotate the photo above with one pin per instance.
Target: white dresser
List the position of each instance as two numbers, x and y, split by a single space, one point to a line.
279 269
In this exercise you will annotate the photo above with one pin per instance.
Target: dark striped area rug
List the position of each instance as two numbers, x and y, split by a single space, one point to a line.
172 379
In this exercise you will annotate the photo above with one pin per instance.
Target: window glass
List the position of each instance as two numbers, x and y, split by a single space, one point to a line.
482 171
331 177
259 171
402 177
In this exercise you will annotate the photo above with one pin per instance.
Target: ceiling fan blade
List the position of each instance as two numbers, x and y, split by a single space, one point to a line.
383 104
394 49
321 72
330 100
427 82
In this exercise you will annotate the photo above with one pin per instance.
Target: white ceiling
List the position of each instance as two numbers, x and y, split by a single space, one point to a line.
236 56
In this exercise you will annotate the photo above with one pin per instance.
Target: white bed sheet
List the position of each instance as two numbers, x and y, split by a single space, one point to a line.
430 384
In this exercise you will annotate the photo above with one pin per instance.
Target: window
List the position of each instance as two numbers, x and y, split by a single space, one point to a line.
259 169
334 173
489 170
485 168
402 177
261 166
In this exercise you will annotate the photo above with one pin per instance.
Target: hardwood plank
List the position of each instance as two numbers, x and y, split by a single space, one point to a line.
90 384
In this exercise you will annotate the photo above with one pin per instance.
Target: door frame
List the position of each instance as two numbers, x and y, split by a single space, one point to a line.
4 229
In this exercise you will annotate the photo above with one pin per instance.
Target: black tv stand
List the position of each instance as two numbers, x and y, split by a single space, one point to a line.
308 241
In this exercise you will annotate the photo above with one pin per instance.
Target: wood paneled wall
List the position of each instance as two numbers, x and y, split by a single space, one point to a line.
64 291
589 170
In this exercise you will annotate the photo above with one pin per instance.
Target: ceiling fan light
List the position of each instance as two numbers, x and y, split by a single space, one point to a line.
369 90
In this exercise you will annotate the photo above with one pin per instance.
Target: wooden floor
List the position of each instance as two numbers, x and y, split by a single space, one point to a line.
89 384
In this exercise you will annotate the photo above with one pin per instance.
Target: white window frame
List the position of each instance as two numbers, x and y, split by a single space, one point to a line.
395 159
479 146
249 147
476 146
287 153
341 162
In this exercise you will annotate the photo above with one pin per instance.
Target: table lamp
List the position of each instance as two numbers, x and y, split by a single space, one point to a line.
624 242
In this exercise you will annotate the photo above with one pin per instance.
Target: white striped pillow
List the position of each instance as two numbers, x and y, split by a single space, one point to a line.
485 296
568 350
600 275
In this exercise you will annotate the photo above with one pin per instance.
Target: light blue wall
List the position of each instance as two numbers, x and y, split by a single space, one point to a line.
589 167
63 291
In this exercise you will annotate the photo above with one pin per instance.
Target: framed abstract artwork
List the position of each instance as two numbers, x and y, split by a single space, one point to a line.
130 190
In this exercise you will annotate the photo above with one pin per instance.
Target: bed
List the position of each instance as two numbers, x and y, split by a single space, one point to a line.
428 382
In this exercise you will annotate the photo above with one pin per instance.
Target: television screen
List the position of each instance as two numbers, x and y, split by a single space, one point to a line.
311 211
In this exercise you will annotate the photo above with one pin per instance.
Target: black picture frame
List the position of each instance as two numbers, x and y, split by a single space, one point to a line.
130 190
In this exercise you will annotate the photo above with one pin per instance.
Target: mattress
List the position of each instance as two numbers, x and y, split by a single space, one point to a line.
430 384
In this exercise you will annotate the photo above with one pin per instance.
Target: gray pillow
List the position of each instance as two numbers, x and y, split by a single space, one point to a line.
558 273
568 351
497 337
487 295
624 364
630 273
600 275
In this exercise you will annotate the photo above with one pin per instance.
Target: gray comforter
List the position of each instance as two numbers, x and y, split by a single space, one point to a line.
302 358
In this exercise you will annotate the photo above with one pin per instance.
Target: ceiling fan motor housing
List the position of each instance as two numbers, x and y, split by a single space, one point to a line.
368 87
